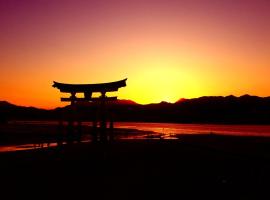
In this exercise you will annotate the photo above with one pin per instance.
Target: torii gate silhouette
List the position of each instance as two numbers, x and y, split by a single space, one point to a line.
88 90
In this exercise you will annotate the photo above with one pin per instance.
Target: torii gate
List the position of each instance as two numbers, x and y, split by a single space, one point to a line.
88 90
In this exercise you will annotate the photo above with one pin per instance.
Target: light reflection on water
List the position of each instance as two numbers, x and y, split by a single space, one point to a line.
9 148
161 130
171 128
25 147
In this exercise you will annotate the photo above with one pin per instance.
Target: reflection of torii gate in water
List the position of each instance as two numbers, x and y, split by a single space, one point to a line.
88 90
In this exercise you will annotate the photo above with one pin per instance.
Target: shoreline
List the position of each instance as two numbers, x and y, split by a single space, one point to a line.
17 135
138 169
210 166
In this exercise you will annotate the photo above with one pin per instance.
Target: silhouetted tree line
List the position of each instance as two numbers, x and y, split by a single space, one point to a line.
214 109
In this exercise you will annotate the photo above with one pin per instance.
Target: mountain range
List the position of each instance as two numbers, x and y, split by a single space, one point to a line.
245 109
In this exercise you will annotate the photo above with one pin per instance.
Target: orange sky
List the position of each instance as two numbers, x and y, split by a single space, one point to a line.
167 49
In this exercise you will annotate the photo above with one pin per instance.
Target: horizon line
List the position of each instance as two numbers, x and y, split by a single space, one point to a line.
162 101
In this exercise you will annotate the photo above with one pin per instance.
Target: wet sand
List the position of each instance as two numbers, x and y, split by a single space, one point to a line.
194 166
21 133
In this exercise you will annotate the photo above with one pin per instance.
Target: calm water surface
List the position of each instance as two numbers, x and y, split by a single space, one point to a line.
166 130
171 128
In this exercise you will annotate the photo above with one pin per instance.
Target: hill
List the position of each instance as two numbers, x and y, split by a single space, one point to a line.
245 109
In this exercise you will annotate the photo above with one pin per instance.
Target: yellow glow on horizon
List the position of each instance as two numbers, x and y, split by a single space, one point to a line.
161 78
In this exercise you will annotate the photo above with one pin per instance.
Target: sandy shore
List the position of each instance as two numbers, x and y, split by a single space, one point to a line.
197 166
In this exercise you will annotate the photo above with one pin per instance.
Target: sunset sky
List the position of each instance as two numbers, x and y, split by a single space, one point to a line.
168 49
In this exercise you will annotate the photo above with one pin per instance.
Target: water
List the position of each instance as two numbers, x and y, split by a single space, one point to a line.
172 128
164 130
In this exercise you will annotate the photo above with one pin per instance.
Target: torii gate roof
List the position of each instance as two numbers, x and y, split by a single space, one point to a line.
99 87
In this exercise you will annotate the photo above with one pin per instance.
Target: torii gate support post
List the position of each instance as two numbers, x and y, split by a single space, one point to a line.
94 127
111 126
71 120
103 124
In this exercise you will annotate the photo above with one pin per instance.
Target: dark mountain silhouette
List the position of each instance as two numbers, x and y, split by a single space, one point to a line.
10 111
125 102
245 109
181 100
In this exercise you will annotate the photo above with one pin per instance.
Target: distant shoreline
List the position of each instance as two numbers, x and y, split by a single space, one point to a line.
245 109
